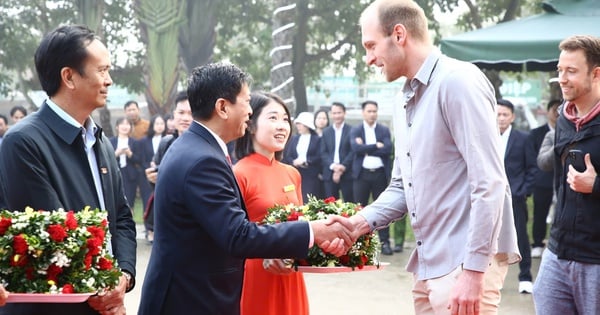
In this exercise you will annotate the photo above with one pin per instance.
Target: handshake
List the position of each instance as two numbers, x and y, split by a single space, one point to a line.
336 234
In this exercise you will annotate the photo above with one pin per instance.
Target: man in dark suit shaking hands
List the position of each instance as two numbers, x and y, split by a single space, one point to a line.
203 232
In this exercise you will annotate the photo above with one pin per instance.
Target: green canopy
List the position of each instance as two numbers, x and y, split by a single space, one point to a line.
529 43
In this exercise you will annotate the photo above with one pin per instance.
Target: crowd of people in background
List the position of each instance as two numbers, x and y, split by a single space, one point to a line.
454 165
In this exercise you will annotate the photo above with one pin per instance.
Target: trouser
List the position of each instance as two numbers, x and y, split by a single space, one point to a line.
566 287
520 214
371 182
432 297
542 200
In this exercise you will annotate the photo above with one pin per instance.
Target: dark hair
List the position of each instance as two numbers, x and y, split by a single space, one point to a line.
212 81
65 46
151 132
326 116
4 118
129 103
367 102
553 102
122 119
338 104
506 103
18 108
590 46
181 96
258 100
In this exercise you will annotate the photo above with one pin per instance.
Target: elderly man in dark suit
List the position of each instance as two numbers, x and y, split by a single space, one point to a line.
520 170
59 158
202 228
371 169
337 156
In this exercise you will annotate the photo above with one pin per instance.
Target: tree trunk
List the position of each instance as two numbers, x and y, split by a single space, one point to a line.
159 29
197 36
300 41
282 54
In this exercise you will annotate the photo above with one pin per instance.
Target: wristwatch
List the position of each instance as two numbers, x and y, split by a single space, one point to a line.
130 280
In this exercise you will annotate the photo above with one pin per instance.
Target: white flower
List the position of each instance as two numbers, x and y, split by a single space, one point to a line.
60 259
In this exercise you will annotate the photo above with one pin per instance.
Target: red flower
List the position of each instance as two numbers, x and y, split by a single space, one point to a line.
344 260
87 260
4 225
18 260
104 223
94 246
105 264
330 200
68 288
57 232
53 272
293 216
20 244
29 273
364 259
71 221
97 232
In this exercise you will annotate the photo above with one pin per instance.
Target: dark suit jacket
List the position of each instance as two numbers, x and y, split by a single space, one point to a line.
133 170
519 165
43 164
203 233
328 151
534 142
147 151
382 133
313 156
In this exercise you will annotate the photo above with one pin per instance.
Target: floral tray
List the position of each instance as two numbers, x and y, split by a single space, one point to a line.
47 298
313 269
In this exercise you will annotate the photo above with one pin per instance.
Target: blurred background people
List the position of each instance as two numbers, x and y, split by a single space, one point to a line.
150 144
129 156
3 127
182 118
371 144
337 156
303 152
321 121
543 191
270 287
520 168
140 125
17 113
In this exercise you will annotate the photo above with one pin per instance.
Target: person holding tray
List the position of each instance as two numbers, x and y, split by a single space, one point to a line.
270 287
60 158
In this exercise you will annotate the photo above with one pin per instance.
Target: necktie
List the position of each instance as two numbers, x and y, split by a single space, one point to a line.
228 159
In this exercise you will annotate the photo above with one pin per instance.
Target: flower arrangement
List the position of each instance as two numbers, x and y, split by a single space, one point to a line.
56 251
362 253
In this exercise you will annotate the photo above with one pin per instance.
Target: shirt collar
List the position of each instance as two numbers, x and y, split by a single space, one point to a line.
366 126
424 74
220 141
89 123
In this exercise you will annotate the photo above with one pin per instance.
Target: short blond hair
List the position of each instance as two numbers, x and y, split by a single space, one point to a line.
405 12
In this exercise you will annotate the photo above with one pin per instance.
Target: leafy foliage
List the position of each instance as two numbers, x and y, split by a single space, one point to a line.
24 22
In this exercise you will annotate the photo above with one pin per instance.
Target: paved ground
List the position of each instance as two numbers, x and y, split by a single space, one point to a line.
385 292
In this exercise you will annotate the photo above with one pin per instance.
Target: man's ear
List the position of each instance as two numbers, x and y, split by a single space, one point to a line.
66 75
399 33
222 108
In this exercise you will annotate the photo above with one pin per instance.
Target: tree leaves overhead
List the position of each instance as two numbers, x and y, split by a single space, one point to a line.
24 22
